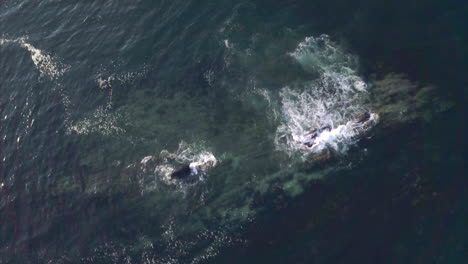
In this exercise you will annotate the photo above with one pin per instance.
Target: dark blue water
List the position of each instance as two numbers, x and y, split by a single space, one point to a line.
101 100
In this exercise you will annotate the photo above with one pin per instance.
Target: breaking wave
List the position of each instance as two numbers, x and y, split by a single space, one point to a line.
333 100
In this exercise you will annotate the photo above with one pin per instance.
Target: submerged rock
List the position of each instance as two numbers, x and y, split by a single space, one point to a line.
398 100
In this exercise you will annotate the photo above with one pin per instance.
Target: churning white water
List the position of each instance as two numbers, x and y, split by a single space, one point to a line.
199 159
331 101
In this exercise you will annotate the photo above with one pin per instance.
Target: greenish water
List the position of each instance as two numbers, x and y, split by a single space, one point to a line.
101 100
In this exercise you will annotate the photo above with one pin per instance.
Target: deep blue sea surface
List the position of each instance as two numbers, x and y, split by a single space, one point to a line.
102 101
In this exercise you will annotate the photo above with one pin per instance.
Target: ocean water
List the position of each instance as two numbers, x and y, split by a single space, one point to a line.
101 101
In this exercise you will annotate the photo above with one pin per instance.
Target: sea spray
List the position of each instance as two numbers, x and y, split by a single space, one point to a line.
332 100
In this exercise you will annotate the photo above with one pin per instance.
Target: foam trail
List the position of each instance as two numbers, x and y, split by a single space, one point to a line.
332 100
44 62
102 121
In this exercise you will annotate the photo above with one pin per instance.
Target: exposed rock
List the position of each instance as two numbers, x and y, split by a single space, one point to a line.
182 172
362 117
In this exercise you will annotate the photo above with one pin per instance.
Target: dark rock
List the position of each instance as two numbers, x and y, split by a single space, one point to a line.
362 117
182 172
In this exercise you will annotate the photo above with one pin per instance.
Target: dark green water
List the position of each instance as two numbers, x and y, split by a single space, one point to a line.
99 98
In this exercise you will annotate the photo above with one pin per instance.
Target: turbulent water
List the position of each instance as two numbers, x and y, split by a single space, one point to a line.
262 103
333 99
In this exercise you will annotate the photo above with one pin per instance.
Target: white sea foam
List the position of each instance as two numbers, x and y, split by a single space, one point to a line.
209 76
45 63
105 83
227 44
111 73
334 99
199 160
104 120
132 76
101 121
338 138
145 160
